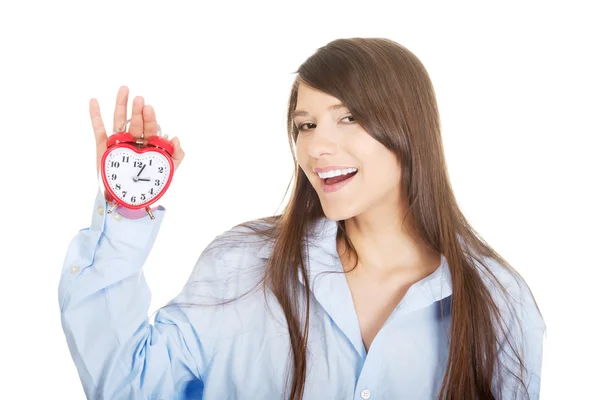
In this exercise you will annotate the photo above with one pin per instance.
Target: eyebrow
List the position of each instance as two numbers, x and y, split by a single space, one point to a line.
297 113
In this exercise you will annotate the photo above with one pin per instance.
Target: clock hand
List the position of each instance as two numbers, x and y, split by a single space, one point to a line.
138 175
142 179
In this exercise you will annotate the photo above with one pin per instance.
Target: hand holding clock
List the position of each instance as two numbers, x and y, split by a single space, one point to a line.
143 119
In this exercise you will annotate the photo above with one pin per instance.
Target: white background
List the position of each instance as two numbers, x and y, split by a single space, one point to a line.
517 85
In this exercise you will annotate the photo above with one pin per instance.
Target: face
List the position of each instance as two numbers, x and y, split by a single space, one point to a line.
329 139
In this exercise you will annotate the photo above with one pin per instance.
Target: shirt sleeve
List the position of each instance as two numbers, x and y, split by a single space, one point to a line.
526 332
104 302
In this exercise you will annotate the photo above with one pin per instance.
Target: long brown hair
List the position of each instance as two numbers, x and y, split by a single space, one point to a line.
389 92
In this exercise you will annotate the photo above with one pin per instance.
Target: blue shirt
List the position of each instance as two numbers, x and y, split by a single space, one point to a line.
240 350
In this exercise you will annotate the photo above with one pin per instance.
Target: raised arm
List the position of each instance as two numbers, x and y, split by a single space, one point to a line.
104 302
104 299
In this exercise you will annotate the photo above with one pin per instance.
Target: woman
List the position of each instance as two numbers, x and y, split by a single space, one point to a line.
370 284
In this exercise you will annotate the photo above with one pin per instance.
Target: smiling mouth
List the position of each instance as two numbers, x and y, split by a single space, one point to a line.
338 179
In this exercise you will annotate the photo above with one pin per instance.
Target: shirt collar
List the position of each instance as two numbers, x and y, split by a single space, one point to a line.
332 292
322 257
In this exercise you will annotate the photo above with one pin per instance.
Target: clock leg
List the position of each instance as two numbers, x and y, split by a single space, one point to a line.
149 211
112 208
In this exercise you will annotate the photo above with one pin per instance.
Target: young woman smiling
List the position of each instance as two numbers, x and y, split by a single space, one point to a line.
371 284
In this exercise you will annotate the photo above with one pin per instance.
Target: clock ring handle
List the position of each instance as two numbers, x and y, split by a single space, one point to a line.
124 127
129 120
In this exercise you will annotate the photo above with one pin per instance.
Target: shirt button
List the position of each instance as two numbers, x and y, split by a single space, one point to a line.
365 394
117 216
74 269
100 210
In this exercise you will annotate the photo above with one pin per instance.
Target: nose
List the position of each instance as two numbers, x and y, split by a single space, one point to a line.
321 142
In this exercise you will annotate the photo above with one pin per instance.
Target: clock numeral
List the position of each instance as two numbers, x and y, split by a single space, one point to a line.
137 164
124 193
133 199
161 169
157 182
114 164
118 186
151 191
126 159
113 176
143 196
150 162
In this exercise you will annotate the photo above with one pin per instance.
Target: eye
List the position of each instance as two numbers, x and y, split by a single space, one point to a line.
300 127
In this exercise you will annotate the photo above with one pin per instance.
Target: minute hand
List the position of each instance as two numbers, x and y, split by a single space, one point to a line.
138 175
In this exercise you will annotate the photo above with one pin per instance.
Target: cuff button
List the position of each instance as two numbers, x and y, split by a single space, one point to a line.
74 269
117 216
100 210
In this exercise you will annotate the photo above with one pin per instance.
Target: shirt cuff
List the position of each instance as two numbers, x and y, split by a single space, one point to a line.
135 214
130 213
134 231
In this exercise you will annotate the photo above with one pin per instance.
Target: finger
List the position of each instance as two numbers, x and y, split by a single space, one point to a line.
99 131
120 116
150 124
137 123
178 152
97 124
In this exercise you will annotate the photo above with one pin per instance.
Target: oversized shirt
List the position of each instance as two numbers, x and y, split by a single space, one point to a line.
241 350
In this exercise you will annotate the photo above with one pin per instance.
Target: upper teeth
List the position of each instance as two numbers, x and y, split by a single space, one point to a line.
331 174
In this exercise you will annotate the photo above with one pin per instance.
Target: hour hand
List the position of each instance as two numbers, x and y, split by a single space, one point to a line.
136 179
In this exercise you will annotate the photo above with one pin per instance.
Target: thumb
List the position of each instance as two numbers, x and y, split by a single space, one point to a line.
99 131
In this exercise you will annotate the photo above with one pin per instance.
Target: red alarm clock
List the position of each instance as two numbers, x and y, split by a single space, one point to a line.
135 174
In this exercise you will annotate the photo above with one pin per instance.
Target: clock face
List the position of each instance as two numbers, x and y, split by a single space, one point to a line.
136 178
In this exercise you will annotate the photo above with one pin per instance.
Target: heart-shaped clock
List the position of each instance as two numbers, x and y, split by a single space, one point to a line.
136 175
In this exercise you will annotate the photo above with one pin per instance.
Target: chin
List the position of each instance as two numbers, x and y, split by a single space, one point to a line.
338 214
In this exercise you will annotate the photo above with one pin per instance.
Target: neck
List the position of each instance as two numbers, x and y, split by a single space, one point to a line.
386 245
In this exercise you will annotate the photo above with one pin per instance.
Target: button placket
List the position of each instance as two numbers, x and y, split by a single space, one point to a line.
368 380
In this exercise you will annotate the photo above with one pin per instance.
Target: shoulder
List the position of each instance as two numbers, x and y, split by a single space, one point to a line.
511 293
235 259
245 240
